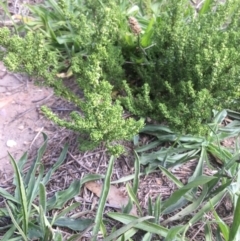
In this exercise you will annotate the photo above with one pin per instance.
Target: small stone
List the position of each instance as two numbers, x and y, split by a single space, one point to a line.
11 143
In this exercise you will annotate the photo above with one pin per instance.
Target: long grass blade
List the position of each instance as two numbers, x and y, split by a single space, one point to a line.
103 199
145 226
22 194
124 229
22 232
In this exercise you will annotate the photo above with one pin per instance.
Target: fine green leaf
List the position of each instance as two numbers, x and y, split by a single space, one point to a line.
180 192
134 198
42 197
208 232
125 228
15 222
172 233
221 225
236 221
8 196
73 224
145 226
22 194
56 165
103 199
61 197
137 173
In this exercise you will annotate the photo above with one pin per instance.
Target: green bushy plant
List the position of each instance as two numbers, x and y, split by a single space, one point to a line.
192 68
178 66
95 63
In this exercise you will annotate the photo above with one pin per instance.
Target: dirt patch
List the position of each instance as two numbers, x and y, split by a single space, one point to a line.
20 122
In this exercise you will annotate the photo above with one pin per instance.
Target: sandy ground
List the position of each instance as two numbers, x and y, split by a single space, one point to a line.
21 123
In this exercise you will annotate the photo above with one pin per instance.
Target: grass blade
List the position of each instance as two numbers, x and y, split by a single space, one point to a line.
137 173
236 221
22 232
180 192
22 194
126 228
145 226
42 197
134 198
103 199
59 161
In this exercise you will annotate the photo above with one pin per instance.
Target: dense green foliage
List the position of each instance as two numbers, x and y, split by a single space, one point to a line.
192 68
94 64
178 65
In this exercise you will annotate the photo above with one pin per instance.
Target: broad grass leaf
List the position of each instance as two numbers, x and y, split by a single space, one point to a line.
154 129
221 153
147 237
58 236
30 177
22 194
137 173
61 197
168 155
233 114
208 232
103 229
126 178
91 177
21 162
221 225
219 235
125 228
103 199
219 116
132 10
200 165
157 210
180 192
206 7
214 190
9 233
236 221
64 39
44 224
172 233
146 39
188 209
32 193
56 9
148 146
74 224
8 196
134 199
34 231
145 226
206 208
16 223
67 210
56 165
42 197
176 181
150 206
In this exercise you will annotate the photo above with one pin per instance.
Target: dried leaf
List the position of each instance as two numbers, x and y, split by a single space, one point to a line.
116 197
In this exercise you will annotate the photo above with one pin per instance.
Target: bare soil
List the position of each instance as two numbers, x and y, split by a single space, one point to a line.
20 121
